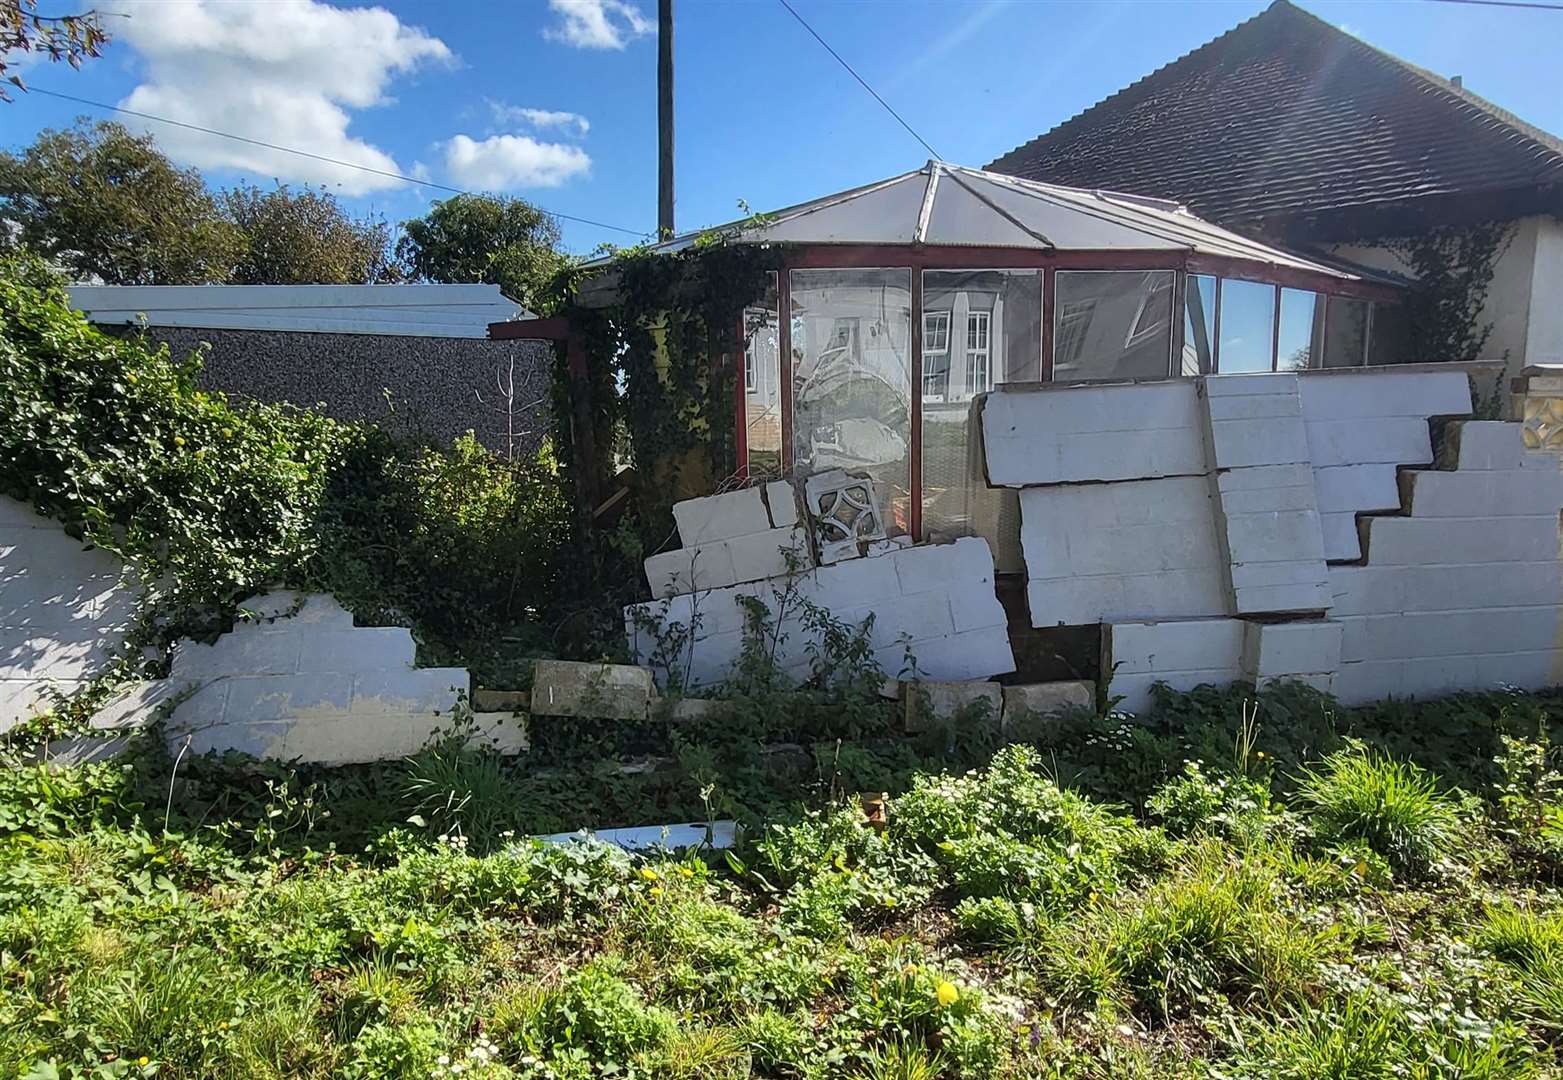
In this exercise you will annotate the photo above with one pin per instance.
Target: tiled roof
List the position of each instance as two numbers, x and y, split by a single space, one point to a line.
1285 116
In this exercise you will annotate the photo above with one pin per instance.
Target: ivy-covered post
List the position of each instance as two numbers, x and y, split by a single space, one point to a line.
583 435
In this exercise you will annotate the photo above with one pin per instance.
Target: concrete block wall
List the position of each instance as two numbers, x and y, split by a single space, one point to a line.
936 600
300 681
65 611
729 539
1181 653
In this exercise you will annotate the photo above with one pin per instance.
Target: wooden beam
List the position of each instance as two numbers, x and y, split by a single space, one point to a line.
556 328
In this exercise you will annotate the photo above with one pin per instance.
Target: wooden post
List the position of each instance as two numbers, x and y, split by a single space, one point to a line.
583 430
664 119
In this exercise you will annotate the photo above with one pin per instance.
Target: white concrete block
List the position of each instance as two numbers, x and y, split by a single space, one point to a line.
1294 648
968 561
308 609
975 608
1196 644
1240 444
137 704
929 702
765 554
1257 383
254 649
1279 536
1265 599
1490 493
1341 540
782 502
1399 440
1478 585
1356 488
860 581
1133 691
1253 407
976 654
414 690
1432 635
1400 541
720 517
1045 699
28 654
1372 394
718 835
1256 575
47 603
1084 599
1365 590
380 648
688 569
1488 444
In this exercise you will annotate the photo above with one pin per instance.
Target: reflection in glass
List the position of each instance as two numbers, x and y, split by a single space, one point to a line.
1345 332
1300 338
762 384
851 379
1199 325
1247 327
1389 335
1112 324
980 328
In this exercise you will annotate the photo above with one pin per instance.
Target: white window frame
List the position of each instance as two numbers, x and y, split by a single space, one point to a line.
1138 334
1068 346
936 385
981 321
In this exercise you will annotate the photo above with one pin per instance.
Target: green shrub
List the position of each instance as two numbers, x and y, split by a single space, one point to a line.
992 920
1236 807
1392 806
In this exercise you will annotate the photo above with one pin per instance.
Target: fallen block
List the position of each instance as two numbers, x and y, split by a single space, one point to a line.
598 691
926 703
718 835
1046 699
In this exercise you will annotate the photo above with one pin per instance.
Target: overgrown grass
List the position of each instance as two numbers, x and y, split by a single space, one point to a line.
1349 916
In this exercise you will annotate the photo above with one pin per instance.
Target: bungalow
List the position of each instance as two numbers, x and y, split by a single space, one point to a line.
1292 131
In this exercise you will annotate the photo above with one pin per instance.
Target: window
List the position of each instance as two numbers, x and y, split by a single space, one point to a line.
1074 321
1155 314
936 354
1345 332
1112 324
751 376
1199 326
978 325
1247 327
851 372
762 383
1299 338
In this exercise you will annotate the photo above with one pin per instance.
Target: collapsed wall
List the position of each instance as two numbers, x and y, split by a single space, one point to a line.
1291 525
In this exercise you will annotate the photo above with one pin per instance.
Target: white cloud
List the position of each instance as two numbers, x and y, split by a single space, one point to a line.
503 162
540 118
286 72
597 24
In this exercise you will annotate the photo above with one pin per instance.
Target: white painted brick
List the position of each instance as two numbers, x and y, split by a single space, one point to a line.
1356 488
1385 393
1489 444
1491 493
720 517
1294 648
1396 541
1341 540
685 570
377 648
762 554
1196 644
782 502
1240 444
1399 440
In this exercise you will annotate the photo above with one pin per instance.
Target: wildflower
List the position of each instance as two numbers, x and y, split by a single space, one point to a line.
656 890
179 440
686 871
649 874
947 994
443 1059
143 1060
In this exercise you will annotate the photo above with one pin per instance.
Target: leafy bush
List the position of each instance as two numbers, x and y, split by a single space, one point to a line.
1392 806
1236 807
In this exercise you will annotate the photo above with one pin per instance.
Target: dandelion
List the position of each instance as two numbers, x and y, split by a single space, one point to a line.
648 874
656 890
947 994
143 1060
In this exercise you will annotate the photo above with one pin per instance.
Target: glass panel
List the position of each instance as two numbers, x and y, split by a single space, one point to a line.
852 379
998 338
762 385
1247 327
1112 324
1389 335
1345 331
1300 340
1199 325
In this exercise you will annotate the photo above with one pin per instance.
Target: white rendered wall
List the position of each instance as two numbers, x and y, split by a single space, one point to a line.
64 612
1544 330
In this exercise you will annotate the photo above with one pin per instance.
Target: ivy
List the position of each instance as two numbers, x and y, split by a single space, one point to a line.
211 501
663 358
1453 268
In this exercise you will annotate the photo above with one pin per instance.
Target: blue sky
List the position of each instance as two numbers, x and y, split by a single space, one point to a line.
554 100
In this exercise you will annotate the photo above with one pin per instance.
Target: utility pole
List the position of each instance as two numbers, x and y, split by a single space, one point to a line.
664 118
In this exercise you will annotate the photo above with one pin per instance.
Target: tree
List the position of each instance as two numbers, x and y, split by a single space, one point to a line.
101 202
72 38
492 239
305 238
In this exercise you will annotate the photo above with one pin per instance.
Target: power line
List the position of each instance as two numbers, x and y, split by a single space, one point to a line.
932 152
312 156
1532 4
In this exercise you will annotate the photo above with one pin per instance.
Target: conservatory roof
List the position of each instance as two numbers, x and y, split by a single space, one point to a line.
945 205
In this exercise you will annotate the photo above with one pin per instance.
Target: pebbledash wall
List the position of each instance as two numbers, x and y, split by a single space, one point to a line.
1353 529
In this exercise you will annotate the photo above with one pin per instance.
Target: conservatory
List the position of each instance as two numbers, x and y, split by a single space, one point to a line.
907 300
